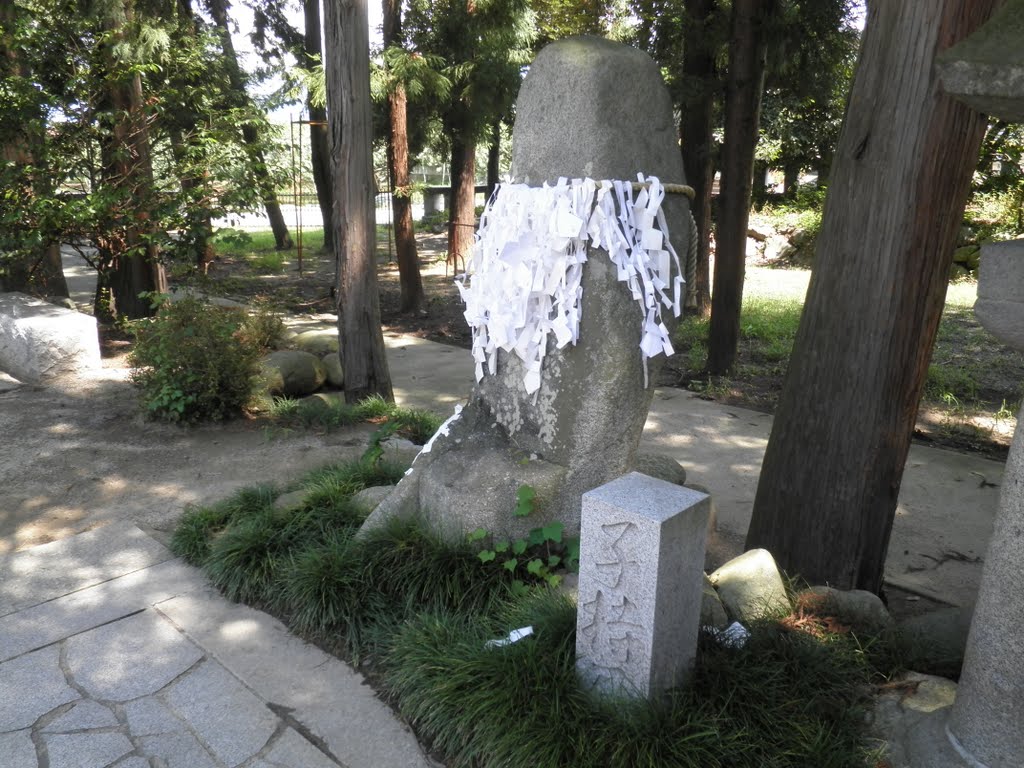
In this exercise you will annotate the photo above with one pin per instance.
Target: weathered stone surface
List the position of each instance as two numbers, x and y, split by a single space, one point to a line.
149 716
18 750
133 657
335 373
862 611
293 751
986 69
1000 307
989 707
230 720
366 500
293 373
8 383
82 750
83 715
178 749
576 117
30 686
712 612
318 342
938 638
661 466
641 555
751 587
39 340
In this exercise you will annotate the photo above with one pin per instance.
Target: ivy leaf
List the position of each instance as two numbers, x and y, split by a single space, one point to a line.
510 565
537 537
478 534
525 497
519 546
554 560
534 567
553 579
572 554
486 555
502 546
519 589
553 532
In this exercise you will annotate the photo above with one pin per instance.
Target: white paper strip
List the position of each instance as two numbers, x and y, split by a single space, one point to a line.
523 281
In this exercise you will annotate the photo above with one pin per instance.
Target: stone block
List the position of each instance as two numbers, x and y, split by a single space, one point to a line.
39 340
751 587
1000 304
640 582
75 750
83 715
17 749
367 500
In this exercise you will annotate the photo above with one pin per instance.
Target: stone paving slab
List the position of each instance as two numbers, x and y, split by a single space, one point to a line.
49 571
325 695
154 668
62 617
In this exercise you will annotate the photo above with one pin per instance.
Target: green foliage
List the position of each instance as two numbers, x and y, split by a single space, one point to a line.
262 327
192 364
326 413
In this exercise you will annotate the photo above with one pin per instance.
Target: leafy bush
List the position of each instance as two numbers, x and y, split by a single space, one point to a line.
263 327
191 362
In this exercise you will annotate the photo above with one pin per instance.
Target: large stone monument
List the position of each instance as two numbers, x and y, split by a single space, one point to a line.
39 340
571 419
641 583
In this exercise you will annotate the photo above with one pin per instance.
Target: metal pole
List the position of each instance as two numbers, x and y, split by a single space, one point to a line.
298 201
295 189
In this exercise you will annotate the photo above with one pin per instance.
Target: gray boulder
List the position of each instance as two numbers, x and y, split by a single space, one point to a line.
39 340
936 640
399 451
712 612
660 466
317 342
862 611
293 373
335 373
367 500
751 588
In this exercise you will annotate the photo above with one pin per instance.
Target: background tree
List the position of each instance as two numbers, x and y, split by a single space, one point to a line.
744 87
482 47
349 113
831 474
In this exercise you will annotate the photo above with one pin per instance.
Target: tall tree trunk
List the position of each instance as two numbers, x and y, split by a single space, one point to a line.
494 159
791 177
462 217
348 94
831 474
199 222
219 12
744 87
409 278
41 272
319 144
696 128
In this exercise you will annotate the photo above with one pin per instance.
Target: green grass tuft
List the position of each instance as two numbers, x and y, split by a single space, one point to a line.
191 539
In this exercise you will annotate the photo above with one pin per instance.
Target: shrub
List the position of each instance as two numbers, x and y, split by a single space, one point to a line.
262 327
192 364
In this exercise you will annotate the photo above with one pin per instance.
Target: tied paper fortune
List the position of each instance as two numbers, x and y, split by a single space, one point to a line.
523 280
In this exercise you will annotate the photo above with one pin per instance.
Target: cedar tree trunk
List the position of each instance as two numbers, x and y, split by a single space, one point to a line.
744 86
831 474
462 217
319 144
494 159
349 113
696 128
219 12
409 278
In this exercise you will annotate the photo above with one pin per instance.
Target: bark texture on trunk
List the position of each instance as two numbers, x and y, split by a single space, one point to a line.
319 142
462 218
697 132
219 11
831 474
348 94
409 278
744 86
494 159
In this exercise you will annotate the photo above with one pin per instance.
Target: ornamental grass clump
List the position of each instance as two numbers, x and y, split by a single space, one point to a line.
192 364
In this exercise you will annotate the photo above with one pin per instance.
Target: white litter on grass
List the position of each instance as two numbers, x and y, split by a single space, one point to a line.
523 281
513 637
733 636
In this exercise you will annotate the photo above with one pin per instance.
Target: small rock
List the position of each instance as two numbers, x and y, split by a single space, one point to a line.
366 500
963 254
712 612
8 383
335 373
293 373
750 587
399 451
318 342
660 466
862 611
936 640
288 501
